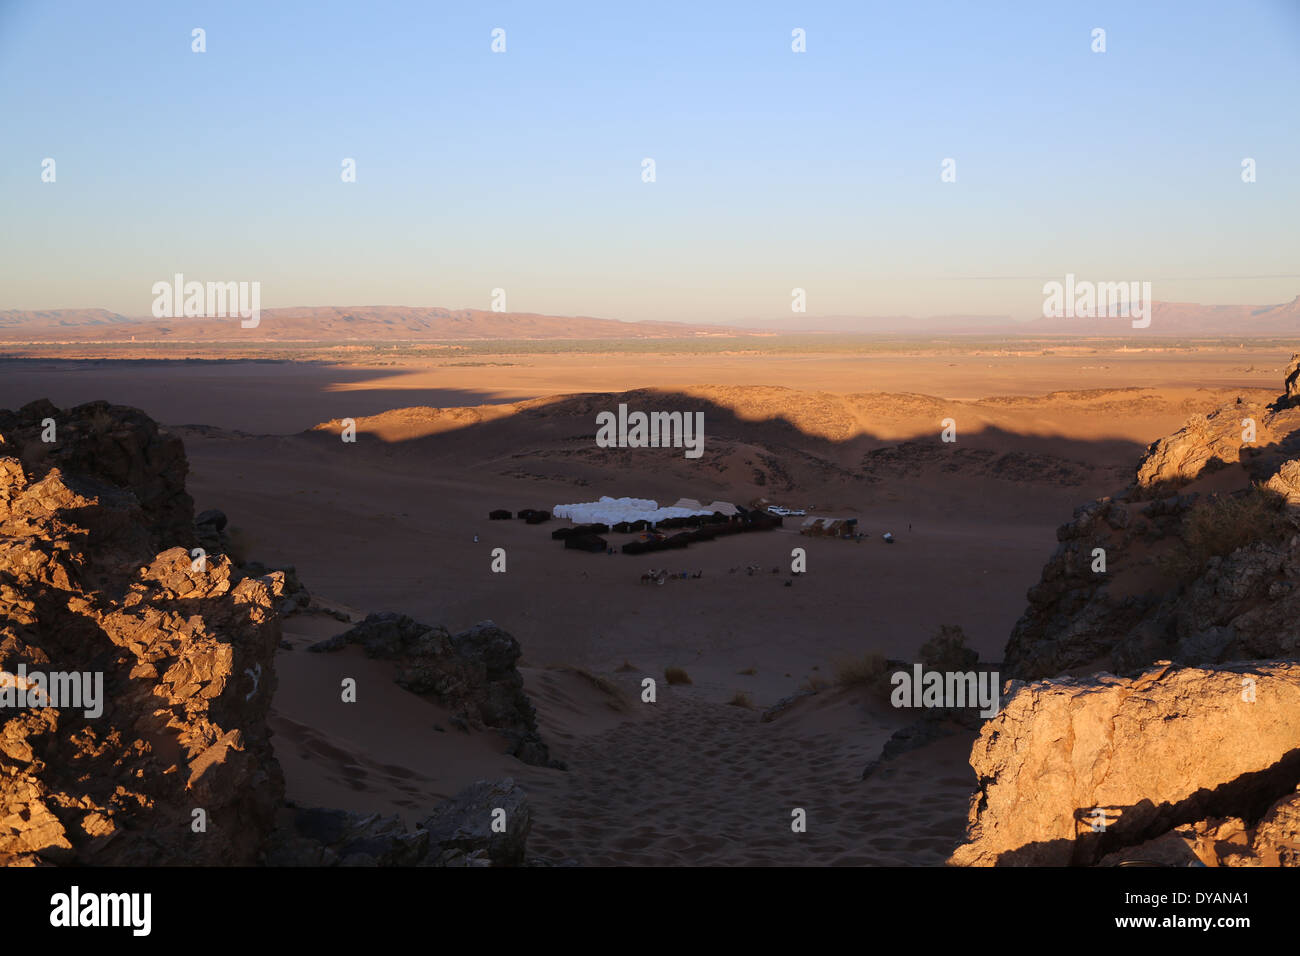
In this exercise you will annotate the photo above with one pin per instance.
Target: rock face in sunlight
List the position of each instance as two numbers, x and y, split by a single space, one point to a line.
1074 769
1198 562
150 745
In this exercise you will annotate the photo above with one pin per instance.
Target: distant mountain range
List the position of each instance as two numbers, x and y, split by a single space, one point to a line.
1185 318
333 324
403 323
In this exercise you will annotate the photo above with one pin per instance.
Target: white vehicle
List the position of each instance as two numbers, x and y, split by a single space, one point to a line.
786 512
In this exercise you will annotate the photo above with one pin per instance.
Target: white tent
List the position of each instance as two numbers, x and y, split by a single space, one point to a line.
613 510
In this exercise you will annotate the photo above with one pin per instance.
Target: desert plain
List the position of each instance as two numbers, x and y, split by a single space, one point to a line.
398 521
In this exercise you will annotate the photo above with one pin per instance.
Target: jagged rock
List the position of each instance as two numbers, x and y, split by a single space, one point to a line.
1273 841
327 837
473 673
186 659
1073 769
110 445
1205 843
1291 384
461 830
1233 604
1204 444
1277 837
287 591
1286 482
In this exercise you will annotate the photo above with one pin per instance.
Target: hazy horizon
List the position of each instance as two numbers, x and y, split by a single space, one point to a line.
774 169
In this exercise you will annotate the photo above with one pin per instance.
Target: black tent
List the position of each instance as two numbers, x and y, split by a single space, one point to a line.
586 542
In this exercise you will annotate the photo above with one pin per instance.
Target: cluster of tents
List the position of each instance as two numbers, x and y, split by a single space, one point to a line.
530 515
615 511
583 537
706 527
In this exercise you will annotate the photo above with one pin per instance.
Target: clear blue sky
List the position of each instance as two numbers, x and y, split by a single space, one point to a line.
522 170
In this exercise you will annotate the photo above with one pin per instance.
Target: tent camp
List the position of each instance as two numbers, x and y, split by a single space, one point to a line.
614 511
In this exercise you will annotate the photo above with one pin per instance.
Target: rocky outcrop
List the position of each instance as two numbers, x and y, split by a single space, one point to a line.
158 752
287 591
486 824
473 673
165 758
1290 397
1217 440
112 445
1074 769
1192 563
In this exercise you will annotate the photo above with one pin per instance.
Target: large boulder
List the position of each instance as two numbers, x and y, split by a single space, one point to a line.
472 673
1073 769
486 824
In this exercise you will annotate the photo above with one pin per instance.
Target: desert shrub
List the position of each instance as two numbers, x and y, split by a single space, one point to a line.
748 672
741 699
947 651
1220 524
676 675
861 671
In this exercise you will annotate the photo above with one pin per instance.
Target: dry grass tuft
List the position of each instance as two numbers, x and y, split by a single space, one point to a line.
676 675
864 671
